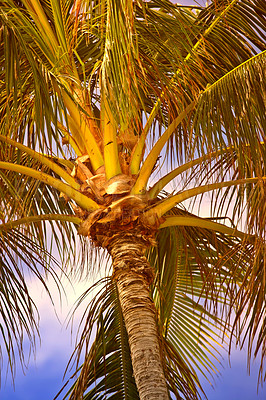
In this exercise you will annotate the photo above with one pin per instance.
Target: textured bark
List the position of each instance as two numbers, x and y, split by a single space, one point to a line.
133 274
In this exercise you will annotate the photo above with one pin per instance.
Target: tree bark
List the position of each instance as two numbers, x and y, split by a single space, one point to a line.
133 275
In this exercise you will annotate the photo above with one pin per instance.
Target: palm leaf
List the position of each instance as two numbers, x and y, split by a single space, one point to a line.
20 256
192 284
107 370
223 273
26 197
234 96
146 62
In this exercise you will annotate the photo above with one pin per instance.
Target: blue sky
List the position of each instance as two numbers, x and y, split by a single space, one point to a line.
43 381
44 376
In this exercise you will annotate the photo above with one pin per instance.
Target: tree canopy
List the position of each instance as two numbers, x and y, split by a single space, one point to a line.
116 117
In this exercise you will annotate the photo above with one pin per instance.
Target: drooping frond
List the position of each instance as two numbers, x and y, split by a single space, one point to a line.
204 270
225 271
20 257
233 104
238 83
107 369
25 197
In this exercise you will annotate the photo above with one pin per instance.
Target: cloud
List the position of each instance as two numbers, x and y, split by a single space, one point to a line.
57 337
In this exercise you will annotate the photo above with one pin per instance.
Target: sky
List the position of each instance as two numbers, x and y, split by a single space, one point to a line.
44 376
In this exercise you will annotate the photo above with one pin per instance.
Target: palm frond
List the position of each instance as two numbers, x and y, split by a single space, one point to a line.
219 275
249 322
21 256
209 63
26 197
107 370
196 279
235 103
78 76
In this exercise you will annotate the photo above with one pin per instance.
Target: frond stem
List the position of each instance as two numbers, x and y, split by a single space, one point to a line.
167 204
148 164
44 160
161 183
198 222
138 151
82 200
37 218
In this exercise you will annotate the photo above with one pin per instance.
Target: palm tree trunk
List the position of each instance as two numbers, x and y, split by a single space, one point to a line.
133 275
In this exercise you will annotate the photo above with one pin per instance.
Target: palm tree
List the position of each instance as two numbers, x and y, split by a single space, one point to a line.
104 104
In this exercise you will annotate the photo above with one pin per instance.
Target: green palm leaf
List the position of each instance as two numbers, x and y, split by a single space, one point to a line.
107 369
235 96
92 94
26 197
192 279
20 256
